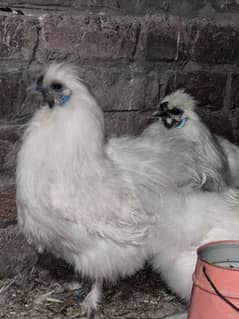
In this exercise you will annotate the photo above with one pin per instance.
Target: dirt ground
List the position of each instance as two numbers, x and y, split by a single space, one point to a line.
49 291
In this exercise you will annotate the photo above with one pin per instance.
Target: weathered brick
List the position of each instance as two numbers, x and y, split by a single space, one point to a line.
12 92
219 122
235 90
62 4
11 131
92 4
184 7
18 37
38 3
6 153
160 39
9 145
226 5
235 106
235 124
214 42
122 88
88 38
204 40
207 87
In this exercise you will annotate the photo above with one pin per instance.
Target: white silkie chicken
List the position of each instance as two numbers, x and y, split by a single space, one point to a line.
76 197
216 156
206 166
101 208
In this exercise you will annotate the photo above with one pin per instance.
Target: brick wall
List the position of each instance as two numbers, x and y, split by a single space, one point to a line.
130 52
129 57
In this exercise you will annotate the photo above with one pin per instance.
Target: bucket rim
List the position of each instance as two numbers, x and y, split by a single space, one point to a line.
215 243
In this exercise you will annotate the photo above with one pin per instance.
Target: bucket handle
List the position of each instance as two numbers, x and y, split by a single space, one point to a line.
217 291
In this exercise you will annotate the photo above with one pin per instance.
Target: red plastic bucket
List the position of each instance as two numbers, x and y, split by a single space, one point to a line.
215 293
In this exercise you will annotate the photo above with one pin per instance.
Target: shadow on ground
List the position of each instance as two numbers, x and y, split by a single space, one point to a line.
49 291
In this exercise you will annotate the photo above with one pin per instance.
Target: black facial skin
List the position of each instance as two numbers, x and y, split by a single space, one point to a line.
39 83
57 86
163 107
51 93
175 114
49 100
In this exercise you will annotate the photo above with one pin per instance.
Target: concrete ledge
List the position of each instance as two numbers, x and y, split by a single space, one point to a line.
184 7
109 39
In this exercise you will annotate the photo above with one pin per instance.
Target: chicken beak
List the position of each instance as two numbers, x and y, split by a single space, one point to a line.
47 98
158 113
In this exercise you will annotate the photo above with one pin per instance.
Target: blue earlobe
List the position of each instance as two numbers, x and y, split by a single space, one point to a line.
182 123
65 99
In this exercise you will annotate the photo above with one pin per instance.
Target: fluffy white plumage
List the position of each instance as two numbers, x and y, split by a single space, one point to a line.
186 224
232 154
106 208
212 153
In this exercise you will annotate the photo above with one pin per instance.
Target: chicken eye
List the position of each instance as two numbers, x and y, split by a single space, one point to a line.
176 111
56 86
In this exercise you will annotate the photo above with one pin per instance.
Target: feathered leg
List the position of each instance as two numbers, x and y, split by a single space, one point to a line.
93 298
